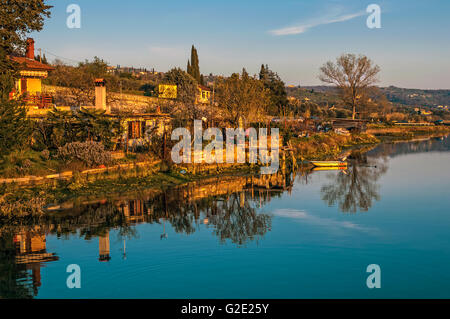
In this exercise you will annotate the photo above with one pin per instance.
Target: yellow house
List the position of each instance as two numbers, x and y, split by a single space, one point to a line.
31 74
167 91
203 95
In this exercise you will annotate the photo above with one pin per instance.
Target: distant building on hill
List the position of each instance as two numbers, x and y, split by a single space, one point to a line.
204 94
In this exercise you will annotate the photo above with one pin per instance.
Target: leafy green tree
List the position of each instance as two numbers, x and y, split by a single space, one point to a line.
241 96
19 18
277 90
186 93
79 81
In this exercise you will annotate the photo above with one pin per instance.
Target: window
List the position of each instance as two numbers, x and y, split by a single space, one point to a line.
136 129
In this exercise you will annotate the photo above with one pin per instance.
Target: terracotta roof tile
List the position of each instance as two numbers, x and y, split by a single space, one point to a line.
204 88
32 64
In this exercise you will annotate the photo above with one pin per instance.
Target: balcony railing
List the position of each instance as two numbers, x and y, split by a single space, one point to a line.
42 101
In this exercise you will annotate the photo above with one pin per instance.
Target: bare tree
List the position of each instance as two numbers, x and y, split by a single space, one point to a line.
352 75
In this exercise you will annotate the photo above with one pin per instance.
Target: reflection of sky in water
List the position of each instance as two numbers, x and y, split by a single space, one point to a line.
311 250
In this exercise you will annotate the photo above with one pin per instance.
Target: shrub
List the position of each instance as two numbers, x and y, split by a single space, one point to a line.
89 153
45 155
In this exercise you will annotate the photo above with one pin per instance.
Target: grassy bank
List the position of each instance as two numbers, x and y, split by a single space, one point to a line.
329 145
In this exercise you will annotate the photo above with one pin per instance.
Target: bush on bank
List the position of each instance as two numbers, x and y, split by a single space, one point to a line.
89 153
319 146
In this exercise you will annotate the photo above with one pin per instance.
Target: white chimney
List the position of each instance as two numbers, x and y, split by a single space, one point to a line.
100 95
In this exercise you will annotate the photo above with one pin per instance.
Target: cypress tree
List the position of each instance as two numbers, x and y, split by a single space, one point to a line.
262 72
194 69
189 69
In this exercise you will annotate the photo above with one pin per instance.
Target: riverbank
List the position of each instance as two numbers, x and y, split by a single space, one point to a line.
397 133
18 201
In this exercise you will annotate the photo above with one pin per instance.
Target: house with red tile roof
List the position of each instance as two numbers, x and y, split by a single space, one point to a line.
29 86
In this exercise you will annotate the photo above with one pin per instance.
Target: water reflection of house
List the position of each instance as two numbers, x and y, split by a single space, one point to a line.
133 210
103 247
31 251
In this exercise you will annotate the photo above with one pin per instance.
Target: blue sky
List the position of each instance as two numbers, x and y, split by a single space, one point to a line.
294 37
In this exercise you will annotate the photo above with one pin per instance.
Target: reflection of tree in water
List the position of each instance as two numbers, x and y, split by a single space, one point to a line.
87 221
235 219
356 188
232 216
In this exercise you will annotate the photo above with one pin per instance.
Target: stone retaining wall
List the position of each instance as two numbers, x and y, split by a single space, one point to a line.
69 174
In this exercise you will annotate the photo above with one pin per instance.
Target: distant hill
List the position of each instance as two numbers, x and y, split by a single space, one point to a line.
321 95
408 97
417 97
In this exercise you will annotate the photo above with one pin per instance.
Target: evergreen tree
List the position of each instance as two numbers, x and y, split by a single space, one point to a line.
189 69
262 72
244 74
193 65
14 126
278 94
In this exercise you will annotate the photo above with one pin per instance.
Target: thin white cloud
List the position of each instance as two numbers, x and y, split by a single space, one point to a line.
329 223
302 28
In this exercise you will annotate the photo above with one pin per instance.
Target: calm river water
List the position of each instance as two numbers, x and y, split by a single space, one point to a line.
306 235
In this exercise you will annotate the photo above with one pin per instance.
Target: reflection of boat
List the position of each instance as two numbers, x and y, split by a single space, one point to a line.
330 168
329 163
